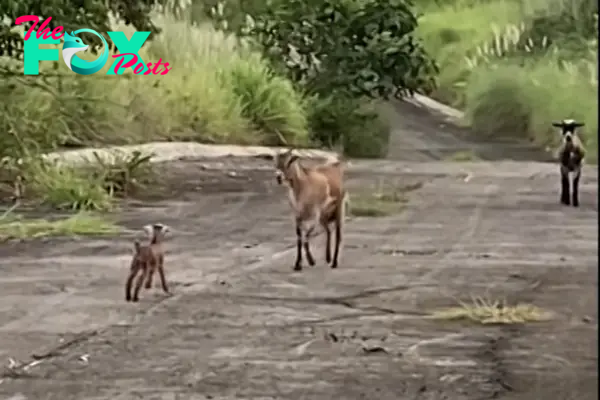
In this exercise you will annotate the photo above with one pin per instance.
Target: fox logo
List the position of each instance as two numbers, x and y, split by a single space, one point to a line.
72 45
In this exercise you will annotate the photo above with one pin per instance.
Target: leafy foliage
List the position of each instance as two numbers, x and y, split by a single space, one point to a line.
72 15
354 47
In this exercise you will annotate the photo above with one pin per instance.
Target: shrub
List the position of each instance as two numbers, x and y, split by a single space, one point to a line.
217 91
520 102
352 123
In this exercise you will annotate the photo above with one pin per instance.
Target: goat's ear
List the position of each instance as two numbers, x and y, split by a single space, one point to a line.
148 230
578 124
293 158
558 124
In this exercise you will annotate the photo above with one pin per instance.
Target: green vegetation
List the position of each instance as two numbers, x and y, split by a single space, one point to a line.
14 226
516 65
466 155
242 72
384 200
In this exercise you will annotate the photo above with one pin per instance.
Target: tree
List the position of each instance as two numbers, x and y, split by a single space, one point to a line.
356 47
73 15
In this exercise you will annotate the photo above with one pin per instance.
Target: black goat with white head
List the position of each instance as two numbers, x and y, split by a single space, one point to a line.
570 156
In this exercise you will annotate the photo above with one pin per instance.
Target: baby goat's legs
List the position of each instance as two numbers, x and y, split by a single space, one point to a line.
565 197
161 274
575 193
134 270
149 279
139 283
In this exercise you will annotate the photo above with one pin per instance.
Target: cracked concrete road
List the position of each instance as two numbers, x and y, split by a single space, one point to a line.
242 325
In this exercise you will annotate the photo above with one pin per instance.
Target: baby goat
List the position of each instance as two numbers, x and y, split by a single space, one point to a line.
570 155
146 259
317 196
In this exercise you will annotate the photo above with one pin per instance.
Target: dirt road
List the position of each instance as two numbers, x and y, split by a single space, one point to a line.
242 325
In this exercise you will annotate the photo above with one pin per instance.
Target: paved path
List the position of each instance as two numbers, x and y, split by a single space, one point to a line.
242 325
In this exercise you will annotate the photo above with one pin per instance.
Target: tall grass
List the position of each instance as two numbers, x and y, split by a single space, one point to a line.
516 65
217 91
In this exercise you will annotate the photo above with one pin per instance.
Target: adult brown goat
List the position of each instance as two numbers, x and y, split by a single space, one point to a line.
317 197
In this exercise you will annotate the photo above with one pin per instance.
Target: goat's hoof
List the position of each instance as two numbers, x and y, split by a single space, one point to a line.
327 259
565 202
575 204
148 286
297 267
135 299
311 263
128 298
333 265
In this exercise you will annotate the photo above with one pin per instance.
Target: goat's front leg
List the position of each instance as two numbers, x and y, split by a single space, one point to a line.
565 197
575 193
298 263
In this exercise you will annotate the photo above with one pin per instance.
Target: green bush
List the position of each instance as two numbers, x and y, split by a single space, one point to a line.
352 123
522 102
217 91
517 65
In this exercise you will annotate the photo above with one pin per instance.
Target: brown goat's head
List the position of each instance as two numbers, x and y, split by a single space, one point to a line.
156 232
283 160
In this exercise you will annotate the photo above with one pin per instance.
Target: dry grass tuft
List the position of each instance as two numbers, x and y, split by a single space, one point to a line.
487 312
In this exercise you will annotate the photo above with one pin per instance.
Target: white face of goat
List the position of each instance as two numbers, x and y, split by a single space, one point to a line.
568 129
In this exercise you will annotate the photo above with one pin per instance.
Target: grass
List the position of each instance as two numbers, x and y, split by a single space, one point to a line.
382 202
487 312
81 224
217 91
90 186
515 66
461 156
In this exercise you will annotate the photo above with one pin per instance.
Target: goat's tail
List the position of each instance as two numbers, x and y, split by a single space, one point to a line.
137 246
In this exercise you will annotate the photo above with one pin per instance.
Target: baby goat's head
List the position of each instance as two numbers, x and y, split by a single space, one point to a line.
156 232
568 129
283 161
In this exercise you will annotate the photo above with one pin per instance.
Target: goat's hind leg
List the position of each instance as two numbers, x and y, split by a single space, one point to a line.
327 242
132 273
139 283
565 196
298 263
575 193
161 274
339 221
148 284
309 256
